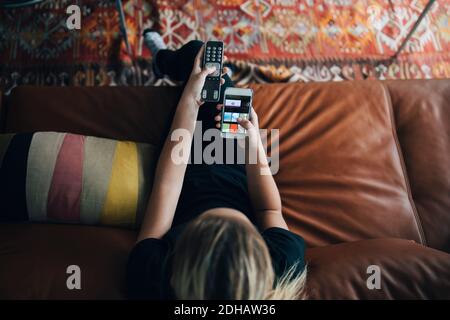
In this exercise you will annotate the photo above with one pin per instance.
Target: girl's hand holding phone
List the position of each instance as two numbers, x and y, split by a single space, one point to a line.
252 125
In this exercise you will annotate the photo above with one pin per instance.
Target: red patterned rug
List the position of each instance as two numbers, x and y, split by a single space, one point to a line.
320 40
266 40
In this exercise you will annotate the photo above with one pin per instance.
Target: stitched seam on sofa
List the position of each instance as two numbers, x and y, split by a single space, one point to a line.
403 165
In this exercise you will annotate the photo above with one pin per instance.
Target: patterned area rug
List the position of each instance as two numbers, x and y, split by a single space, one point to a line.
37 48
266 40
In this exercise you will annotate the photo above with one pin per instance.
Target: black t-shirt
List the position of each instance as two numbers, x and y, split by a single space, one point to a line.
212 186
204 187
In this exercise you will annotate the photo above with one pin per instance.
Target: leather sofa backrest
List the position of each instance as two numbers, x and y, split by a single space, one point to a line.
342 176
422 116
125 113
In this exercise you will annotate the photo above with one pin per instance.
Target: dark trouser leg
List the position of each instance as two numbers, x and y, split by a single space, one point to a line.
177 65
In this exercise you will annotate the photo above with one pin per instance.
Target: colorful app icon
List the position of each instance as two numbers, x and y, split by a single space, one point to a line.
234 117
225 127
227 116
233 127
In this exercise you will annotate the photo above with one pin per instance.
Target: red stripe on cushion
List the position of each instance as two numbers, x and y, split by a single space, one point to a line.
65 190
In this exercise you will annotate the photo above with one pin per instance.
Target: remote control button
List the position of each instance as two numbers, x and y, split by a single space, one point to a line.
214 64
216 94
204 94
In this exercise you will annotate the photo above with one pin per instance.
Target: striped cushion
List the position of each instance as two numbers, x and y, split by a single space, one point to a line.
69 178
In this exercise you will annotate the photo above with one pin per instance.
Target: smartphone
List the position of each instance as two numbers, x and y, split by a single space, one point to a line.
237 103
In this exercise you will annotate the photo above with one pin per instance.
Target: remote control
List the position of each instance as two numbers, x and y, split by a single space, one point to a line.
213 56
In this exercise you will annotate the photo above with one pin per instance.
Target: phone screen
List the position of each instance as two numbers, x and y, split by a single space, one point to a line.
235 107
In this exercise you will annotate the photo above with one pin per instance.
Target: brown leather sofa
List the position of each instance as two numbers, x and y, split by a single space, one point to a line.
364 178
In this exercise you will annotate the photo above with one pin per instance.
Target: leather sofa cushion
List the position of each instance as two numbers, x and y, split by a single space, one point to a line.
34 259
423 126
407 271
341 177
141 114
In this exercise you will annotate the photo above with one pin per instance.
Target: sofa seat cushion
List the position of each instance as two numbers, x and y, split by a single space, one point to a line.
407 271
341 176
34 259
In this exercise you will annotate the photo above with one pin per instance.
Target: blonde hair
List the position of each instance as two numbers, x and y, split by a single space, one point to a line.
217 258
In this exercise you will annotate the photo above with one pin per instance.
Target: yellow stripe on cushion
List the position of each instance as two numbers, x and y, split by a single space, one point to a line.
122 197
